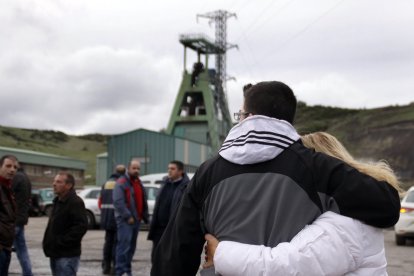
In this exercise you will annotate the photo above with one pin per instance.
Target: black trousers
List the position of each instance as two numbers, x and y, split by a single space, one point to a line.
156 239
109 249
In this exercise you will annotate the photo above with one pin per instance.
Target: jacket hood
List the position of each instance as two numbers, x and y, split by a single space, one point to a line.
257 139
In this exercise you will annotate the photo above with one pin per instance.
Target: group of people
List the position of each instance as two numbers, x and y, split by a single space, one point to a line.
271 202
123 206
64 231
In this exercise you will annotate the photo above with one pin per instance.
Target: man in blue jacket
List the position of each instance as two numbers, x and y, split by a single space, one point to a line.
167 201
106 204
130 203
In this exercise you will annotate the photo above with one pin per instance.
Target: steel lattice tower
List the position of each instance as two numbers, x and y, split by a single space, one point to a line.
219 18
200 111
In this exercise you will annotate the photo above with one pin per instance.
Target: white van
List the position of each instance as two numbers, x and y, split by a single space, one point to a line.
157 178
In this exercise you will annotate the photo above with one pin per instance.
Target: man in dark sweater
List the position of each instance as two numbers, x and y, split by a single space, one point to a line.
66 227
22 188
167 201
108 223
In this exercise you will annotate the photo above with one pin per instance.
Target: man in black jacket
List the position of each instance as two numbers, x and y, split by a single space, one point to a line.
264 186
167 201
22 188
8 168
66 227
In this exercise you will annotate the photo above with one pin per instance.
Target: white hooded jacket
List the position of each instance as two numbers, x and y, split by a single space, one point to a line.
333 245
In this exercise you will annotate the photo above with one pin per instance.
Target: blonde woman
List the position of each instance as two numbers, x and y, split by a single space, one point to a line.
331 245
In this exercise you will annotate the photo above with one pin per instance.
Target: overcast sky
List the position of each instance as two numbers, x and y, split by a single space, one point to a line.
82 66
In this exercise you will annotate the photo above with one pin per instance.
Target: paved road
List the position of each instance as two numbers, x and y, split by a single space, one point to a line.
91 252
400 258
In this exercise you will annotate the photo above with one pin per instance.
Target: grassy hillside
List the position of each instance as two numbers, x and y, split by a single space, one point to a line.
79 147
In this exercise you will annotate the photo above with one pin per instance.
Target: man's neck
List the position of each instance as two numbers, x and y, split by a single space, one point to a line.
177 179
64 195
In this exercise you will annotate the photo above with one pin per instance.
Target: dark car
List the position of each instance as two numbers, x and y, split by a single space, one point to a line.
36 205
41 202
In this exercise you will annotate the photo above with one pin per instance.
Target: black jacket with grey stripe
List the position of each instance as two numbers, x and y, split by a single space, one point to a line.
267 203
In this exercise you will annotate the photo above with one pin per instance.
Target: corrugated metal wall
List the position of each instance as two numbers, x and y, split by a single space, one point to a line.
154 150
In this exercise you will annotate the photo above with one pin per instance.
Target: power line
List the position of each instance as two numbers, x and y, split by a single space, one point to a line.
267 8
296 35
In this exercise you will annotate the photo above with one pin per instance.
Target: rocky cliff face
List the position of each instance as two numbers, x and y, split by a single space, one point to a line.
393 142
370 134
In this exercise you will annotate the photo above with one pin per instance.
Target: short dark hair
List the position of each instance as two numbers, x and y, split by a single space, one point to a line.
7 156
246 87
271 98
69 178
179 164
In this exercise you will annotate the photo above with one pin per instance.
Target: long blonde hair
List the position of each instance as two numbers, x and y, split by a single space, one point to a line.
328 144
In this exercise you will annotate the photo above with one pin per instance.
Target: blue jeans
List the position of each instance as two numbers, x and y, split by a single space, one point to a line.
127 235
64 266
21 251
5 257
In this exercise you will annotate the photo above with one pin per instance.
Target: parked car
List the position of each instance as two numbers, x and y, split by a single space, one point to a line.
41 201
157 178
154 179
152 191
90 197
36 205
404 229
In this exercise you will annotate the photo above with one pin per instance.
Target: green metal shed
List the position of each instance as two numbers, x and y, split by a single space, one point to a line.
154 150
42 167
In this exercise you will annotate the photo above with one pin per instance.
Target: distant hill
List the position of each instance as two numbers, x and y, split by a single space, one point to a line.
84 147
370 134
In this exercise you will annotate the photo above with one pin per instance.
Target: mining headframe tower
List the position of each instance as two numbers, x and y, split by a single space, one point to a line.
200 111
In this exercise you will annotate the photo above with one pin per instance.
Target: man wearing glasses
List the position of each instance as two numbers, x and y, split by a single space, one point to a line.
264 186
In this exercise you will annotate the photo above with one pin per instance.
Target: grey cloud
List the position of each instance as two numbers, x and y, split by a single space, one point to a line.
97 66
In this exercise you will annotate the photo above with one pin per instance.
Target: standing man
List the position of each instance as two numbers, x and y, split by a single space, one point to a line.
8 168
167 201
66 226
264 186
130 202
106 204
22 188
